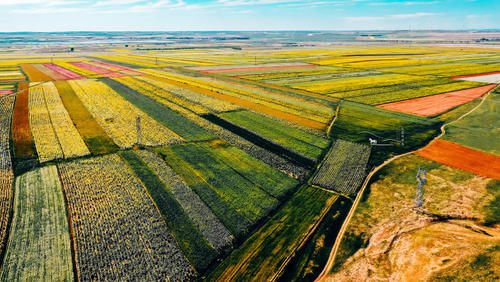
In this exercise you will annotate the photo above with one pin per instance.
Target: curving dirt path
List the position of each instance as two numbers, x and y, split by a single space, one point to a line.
340 235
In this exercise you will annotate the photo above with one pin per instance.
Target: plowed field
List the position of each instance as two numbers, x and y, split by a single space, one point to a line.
458 156
436 104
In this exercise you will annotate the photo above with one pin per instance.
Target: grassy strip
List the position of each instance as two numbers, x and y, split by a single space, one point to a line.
39 246
24 145
262 254
484 122
237 223
94 136
309 261
269 179
243 195
188 236
247 104
167 117
300 141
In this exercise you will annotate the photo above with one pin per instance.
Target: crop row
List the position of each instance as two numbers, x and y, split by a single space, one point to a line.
96 69
46 142
6 174
163 111
171 60
211 103
39 245
118 232
233 192
249 94
191 125
71 142
305 143
55 135
118 117
404 94
92 133
202 216
194 245
319 76
83 72
130 61
146 87
344 168
34 74
22 138
260 257
329 86
115 68
447 69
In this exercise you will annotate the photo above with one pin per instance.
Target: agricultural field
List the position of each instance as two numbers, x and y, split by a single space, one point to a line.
344 169
96 190
6 172
260 156
53 130
40 246
382 234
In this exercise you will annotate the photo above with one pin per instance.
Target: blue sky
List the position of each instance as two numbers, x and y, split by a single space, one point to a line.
172 15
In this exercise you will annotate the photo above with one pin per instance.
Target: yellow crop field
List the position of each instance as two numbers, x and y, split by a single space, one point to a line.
279 102
70 140
207 101
54 132
148 85
46 142
118 117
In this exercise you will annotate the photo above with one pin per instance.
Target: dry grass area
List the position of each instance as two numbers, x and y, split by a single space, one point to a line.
394 242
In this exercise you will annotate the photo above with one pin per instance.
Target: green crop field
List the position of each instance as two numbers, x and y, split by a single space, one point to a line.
39 247
485 124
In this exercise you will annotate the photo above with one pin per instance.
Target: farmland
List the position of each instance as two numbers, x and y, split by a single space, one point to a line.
40 247
220 158
344 168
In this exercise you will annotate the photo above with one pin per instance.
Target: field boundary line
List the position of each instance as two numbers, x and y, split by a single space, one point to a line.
328 131
305 239
341 233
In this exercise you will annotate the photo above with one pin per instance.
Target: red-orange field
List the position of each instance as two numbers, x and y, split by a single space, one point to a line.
261 68
474 75
21 131
458 156
34 74
439 103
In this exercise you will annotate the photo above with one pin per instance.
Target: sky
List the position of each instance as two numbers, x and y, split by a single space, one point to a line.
190 15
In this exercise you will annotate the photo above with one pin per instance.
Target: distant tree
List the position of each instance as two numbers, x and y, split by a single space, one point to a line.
72 49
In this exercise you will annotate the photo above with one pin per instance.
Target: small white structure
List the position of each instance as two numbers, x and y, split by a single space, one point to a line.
373 141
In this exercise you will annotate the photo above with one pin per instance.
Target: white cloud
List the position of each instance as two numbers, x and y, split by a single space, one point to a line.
395 16
411 16
405 3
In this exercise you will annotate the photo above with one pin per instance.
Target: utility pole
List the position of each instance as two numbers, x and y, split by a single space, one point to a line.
138 126
419 195
402 136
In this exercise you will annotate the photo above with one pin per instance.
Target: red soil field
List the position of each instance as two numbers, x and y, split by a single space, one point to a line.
458 156
473 75
261 68
21 132
439 103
